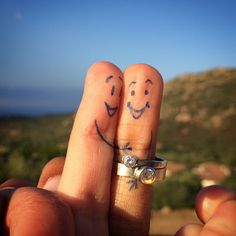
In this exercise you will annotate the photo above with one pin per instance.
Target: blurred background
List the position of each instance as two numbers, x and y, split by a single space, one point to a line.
46 47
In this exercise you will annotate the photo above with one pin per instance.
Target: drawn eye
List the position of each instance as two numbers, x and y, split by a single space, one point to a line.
146 92
112 90
132 93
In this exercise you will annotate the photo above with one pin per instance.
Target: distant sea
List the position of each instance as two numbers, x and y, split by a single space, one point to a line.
33 112
35 102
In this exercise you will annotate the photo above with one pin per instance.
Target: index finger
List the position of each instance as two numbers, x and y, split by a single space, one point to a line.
86 176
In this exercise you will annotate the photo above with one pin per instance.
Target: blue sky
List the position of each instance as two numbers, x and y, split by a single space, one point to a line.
46 47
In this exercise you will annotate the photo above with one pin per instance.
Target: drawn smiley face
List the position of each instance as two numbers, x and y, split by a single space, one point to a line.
135 111
111 110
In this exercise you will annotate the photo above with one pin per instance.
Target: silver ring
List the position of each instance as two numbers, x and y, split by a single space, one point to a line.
132 162
147 172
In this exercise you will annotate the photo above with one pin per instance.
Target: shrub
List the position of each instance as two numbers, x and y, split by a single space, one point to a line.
177 191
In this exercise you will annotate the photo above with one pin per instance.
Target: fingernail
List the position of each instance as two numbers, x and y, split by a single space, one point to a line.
52 183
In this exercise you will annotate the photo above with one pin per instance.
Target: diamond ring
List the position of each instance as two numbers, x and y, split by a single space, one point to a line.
131 162
146 171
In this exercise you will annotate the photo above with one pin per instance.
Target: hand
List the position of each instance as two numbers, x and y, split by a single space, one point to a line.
119 113
82 196
216 208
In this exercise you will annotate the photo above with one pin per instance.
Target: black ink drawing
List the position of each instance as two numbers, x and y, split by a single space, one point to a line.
111 111
112 145
101 135
133 182
137 113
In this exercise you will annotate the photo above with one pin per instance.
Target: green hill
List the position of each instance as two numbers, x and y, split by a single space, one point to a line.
198 118
198 123
27 143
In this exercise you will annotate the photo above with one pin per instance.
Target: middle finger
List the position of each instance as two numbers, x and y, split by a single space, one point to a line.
136 136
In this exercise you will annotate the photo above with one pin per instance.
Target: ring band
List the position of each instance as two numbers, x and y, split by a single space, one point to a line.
146 171
131 162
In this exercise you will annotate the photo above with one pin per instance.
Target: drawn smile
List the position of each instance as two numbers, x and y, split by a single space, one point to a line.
137 113
112 145
111 111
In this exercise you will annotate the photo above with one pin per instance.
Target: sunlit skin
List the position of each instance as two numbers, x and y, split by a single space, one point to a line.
136 113
140 109
86 176
137 129
111 110
81 196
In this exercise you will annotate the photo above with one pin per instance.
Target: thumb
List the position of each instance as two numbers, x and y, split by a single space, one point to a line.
38 212
216 207
210 198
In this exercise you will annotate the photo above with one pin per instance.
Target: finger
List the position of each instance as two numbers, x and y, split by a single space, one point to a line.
38 212
16 183
87 171
51 174
189 230
216 206
210 198
136 135
222 223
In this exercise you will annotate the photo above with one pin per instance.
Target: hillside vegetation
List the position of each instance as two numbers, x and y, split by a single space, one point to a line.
198 118
27 143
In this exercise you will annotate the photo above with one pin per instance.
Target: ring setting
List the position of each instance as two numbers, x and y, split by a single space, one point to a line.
129 161
146 175
144 171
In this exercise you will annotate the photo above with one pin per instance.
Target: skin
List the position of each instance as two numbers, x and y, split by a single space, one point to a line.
86 177
136 129
216 208
80 195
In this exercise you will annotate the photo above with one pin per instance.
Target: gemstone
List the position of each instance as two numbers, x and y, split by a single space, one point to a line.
129 161
147 175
